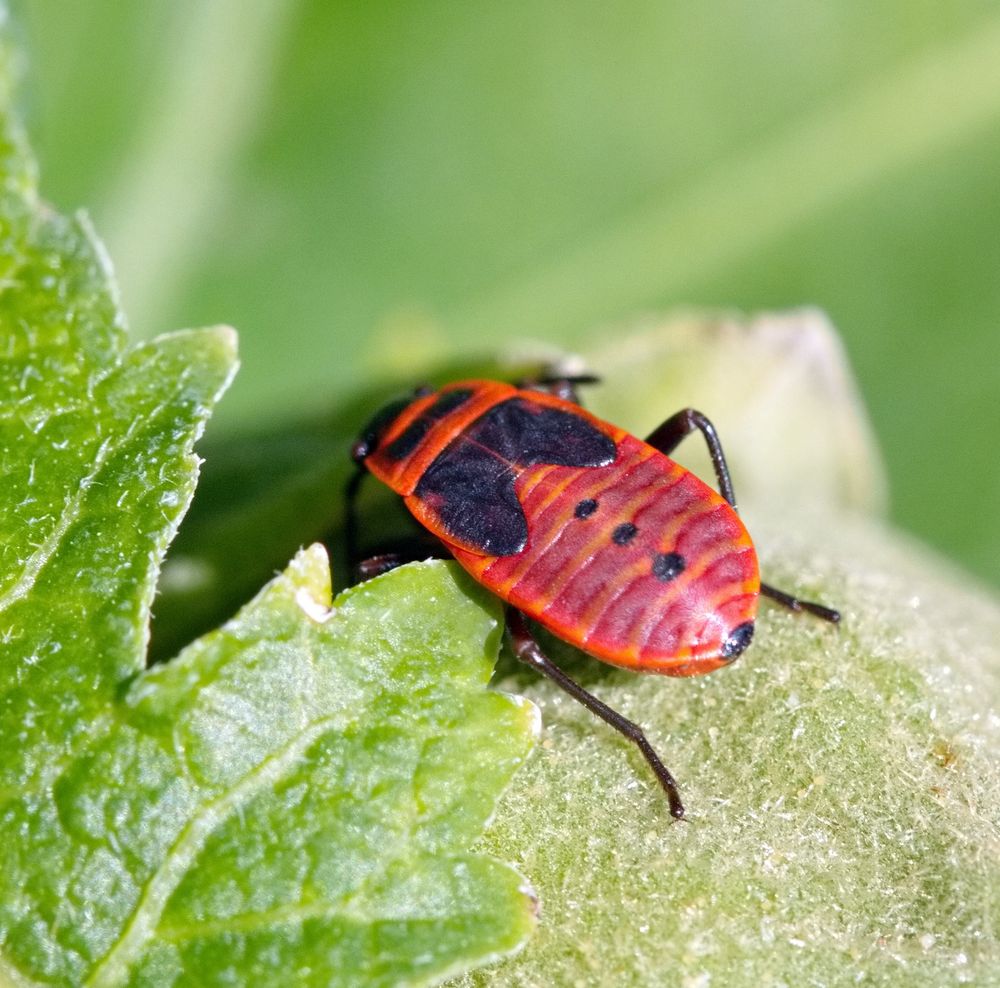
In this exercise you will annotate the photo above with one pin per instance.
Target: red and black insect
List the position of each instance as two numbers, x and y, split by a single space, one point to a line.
578 525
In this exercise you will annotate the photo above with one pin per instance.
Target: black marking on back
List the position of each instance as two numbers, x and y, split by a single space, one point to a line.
411 437
470 485
379 423
523 433
448 402
668 566
472 492
585 508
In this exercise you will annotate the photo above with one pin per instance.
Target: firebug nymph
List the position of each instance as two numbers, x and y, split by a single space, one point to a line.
592 533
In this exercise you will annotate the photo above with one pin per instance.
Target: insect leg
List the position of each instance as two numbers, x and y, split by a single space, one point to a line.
528 651
410 551
666 437
794 604
561 385
366 567
351 516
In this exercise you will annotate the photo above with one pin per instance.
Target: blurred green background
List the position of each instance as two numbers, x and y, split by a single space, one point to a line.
364 187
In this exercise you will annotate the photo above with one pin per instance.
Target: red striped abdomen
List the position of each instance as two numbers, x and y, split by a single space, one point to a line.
638 563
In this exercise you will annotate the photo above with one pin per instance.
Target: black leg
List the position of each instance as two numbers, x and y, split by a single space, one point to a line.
410 551
562 386
528 651
423 546
666 437
367 569
794 604
351 518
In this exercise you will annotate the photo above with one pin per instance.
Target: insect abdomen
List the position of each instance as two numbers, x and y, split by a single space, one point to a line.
638 563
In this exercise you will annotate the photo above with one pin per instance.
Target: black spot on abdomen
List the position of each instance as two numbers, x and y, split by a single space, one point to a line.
624 533
738 640
668 566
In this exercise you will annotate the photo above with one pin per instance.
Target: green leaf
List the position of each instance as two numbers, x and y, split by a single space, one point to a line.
842 785
97 471
291 800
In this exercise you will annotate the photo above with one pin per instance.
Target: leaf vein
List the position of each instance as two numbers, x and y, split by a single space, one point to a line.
142 926
71 511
